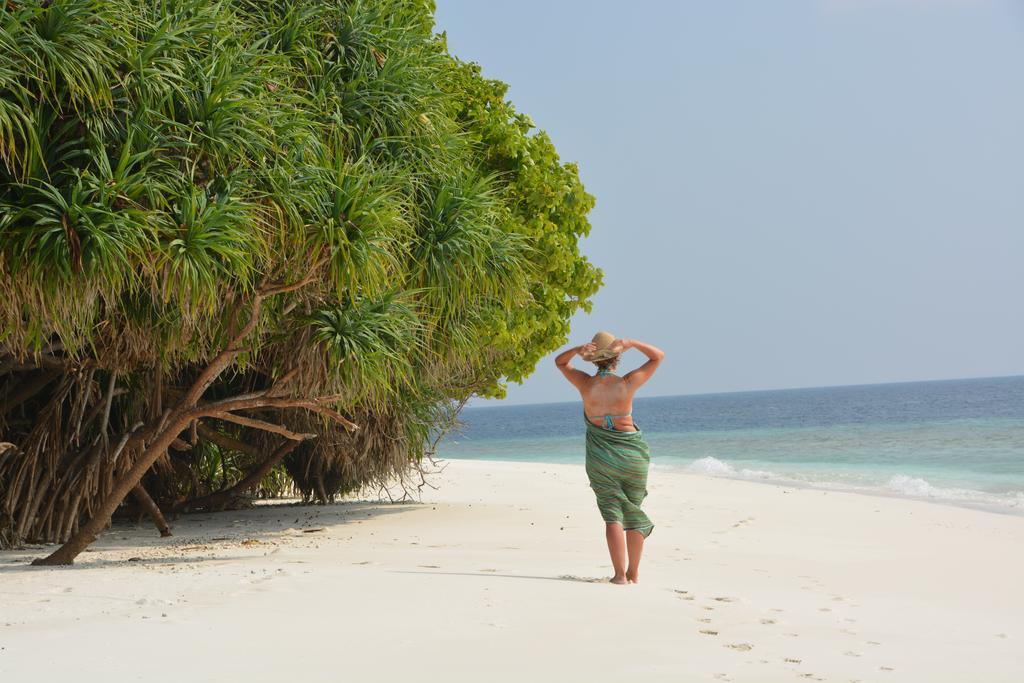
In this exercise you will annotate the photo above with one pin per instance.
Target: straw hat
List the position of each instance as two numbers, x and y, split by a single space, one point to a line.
602 341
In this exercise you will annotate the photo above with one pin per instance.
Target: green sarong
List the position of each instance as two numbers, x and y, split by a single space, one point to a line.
617 464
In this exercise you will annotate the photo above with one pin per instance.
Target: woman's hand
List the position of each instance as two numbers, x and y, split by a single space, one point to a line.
587 348
619 345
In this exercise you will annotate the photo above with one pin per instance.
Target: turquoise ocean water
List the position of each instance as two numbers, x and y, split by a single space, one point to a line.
955 441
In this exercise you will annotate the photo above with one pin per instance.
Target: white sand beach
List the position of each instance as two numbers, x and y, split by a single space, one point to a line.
498 576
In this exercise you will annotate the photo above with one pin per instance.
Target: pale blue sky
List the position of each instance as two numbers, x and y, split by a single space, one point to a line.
789 193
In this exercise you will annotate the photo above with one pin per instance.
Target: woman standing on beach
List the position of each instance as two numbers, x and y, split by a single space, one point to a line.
617 455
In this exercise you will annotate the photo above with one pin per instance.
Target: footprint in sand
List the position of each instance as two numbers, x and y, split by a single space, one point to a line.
851 653
584 579
709 632
791 660
704 621
767 622
886 668
873 642
742 647
724 599
429 566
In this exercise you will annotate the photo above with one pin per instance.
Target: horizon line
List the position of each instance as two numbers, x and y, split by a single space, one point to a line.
497 402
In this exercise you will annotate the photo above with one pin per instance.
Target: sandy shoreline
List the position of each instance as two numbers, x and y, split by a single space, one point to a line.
497 576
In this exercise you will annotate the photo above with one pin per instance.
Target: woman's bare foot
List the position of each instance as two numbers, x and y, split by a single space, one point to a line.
633 579
618 579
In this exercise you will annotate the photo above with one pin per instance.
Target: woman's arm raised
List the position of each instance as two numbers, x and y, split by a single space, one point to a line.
564 363
643 373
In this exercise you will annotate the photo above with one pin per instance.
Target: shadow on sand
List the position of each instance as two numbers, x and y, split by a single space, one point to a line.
562 577
203 533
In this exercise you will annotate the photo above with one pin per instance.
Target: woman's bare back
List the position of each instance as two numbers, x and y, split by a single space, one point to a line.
608 398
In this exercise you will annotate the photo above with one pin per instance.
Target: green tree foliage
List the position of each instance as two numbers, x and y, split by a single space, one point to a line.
545 203
308 202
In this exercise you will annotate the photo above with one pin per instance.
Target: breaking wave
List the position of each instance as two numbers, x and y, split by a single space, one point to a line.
901 485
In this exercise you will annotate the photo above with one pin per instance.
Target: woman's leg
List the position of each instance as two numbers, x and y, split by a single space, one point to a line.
635 546
617 549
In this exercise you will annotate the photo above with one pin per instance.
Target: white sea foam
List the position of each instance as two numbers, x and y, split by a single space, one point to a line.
716 468
915 486
899 485
712 466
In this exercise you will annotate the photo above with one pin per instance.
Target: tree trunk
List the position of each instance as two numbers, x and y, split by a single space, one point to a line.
164 432
252 479
88 532
152 509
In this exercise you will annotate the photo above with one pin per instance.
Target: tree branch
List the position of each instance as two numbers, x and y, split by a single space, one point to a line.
234 347
264 426
225 441
250 480
251 402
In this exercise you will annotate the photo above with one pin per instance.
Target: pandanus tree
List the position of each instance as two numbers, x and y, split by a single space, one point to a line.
296 235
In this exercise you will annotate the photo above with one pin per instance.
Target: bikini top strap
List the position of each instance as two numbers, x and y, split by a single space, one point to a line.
608 423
